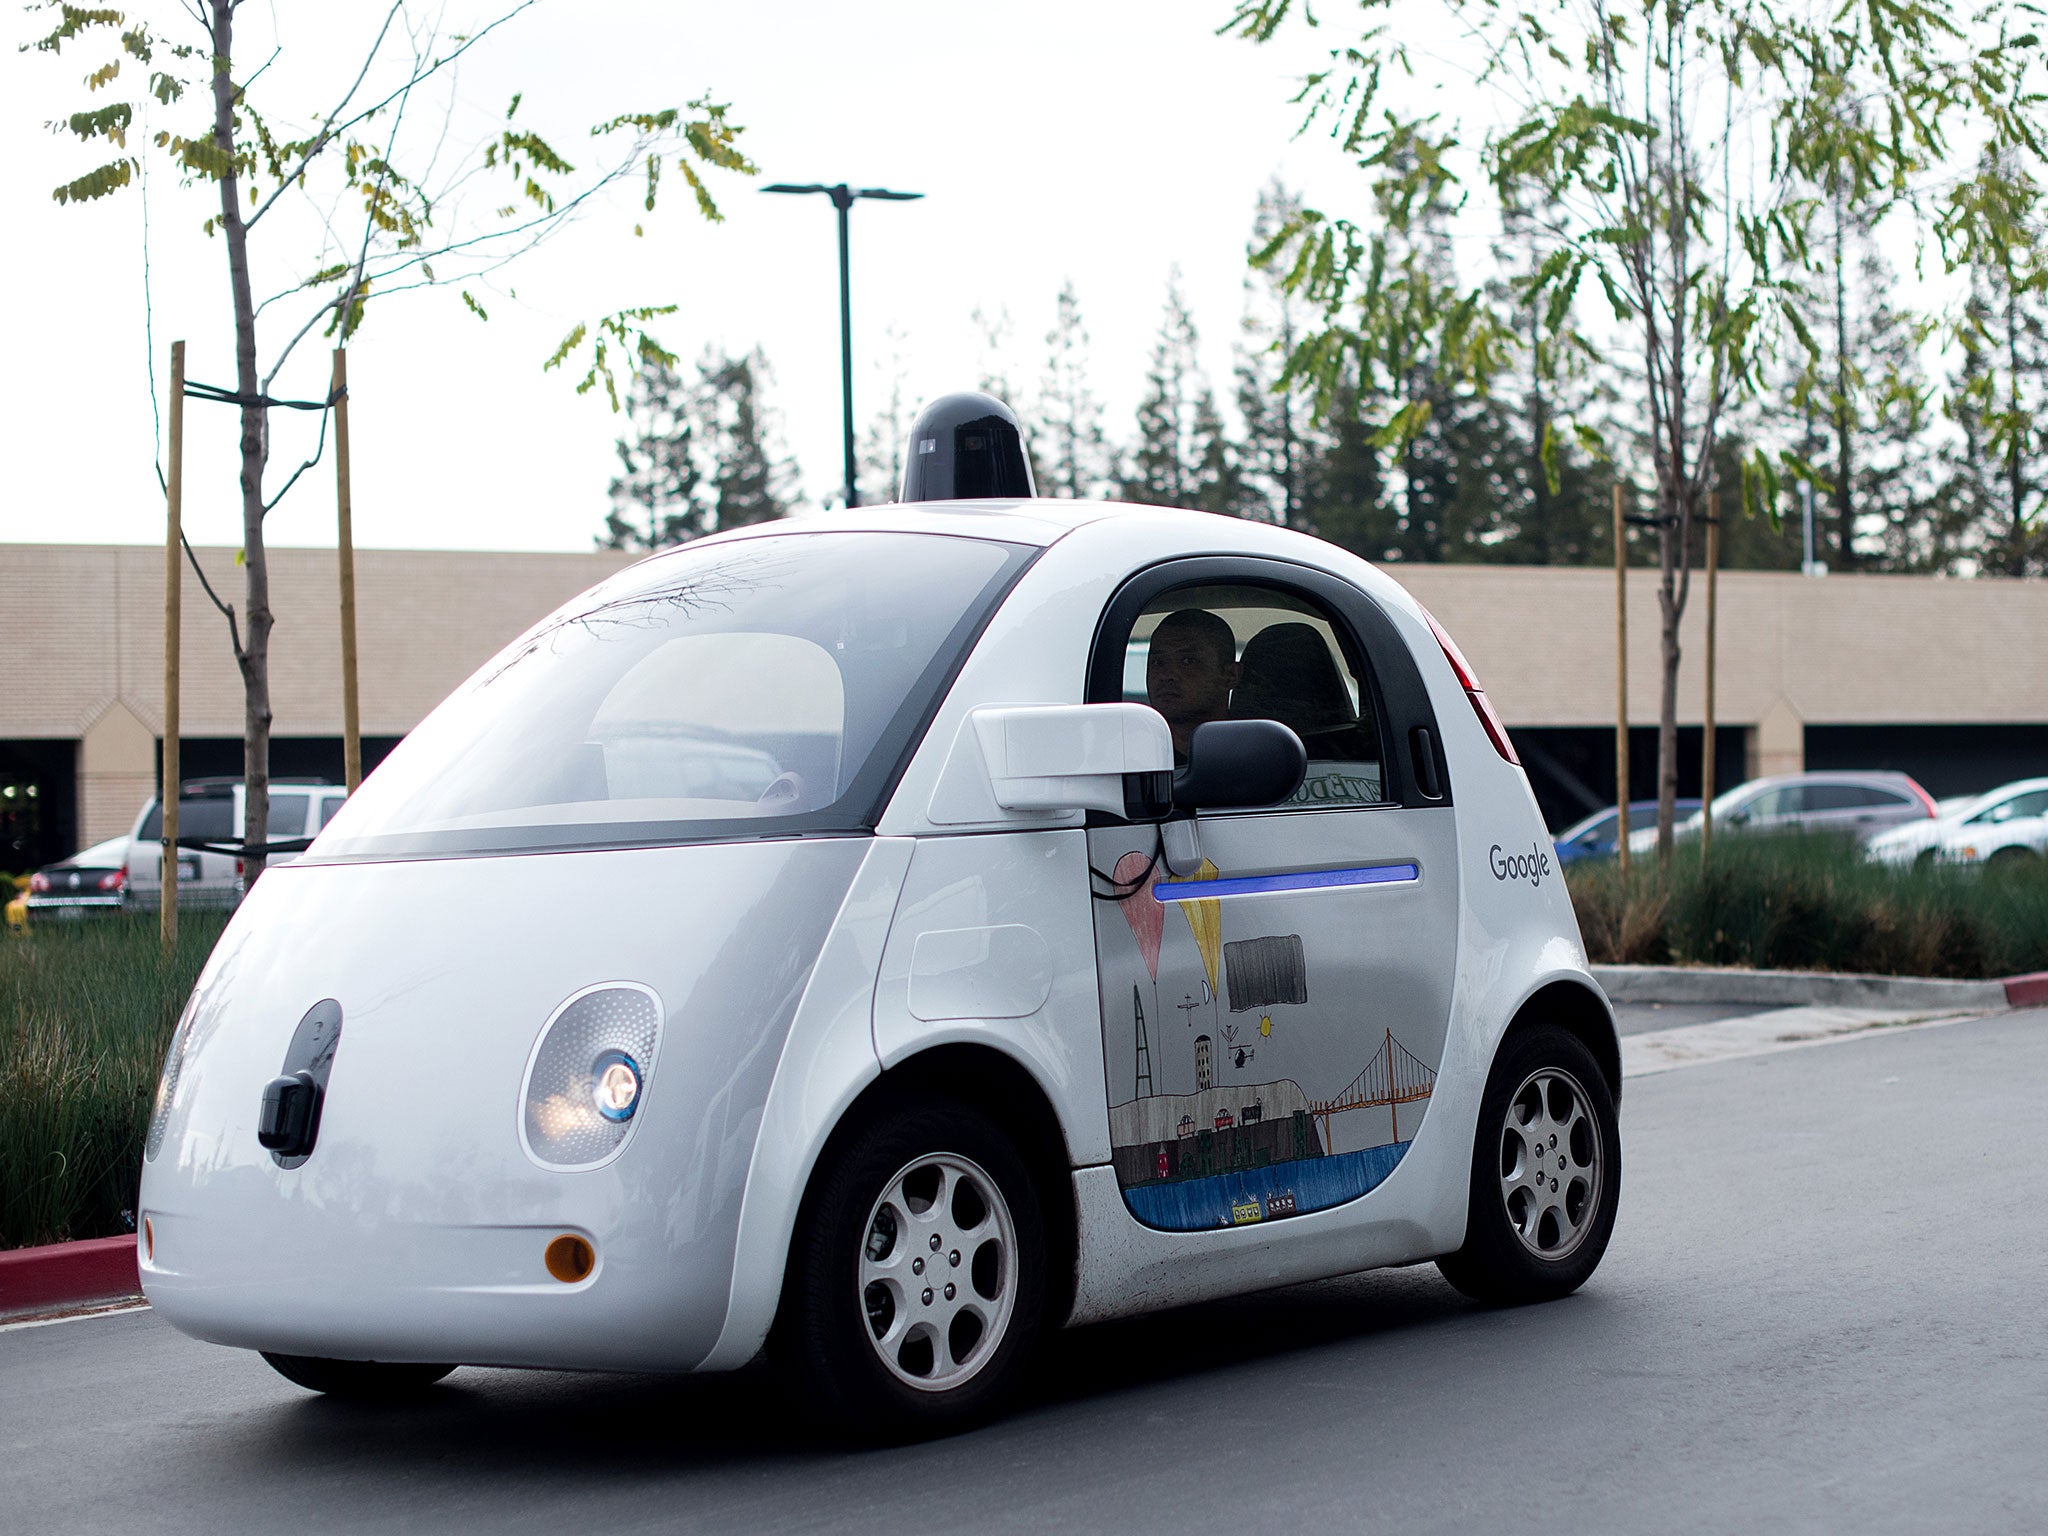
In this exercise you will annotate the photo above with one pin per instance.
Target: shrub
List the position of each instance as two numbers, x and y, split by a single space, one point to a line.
86 1014
1813 903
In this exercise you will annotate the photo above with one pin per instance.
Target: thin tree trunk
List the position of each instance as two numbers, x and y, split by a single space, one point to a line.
254 657
1845 420
2016 558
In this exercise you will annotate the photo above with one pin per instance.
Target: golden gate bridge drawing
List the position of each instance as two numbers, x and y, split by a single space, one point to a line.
1392 1078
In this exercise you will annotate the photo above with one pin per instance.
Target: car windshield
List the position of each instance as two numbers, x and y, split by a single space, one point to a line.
768 686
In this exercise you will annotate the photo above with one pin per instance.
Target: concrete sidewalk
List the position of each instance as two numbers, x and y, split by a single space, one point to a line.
1706 984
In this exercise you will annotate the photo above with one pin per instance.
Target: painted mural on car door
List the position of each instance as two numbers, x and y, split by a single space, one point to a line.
1242 1085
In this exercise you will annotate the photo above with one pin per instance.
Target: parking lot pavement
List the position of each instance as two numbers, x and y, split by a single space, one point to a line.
1639 1018
1815 1316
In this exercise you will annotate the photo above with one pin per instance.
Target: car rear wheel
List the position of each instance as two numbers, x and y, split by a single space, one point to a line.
917 1277
363 1380
1546 1173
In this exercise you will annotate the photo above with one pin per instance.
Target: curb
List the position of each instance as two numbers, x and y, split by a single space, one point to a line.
62 1275
1793 989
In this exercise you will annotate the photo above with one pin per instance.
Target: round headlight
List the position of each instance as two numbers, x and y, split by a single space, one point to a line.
591 1066
615 1085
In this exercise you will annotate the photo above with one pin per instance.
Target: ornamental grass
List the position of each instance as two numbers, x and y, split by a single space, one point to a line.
86 1014
1813 904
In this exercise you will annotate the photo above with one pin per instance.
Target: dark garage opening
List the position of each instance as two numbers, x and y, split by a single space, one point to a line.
38 804
1571 768
1946 759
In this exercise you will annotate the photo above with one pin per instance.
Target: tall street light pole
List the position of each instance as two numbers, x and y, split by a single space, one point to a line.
842 199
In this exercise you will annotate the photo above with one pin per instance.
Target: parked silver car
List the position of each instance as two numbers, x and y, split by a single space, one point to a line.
1859 805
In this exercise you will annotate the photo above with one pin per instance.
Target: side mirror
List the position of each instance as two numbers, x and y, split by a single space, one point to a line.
1069 757
1240 763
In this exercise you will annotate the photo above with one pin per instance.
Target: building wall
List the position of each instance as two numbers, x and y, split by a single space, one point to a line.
1794 653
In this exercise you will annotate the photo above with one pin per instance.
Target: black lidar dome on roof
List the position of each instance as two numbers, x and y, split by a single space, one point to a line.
964 447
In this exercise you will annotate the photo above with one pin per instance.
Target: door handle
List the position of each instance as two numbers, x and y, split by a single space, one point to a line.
1422 754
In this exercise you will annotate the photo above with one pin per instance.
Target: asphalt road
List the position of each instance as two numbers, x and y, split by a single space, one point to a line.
1821 1311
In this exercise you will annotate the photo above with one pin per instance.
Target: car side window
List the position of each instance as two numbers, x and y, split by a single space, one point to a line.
1772 802
1230 652
2015 809
329 806
1837 797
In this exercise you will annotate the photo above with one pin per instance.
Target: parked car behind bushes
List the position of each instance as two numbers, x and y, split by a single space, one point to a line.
2007 826
1594 837
1858 805
84 885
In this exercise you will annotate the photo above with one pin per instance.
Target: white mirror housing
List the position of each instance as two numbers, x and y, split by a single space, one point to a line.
1068 757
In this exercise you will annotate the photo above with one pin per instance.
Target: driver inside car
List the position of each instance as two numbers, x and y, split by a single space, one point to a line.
1190 669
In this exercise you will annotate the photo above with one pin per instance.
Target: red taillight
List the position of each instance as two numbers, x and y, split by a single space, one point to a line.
1926 800
1496 732
241 868
115 879
39 883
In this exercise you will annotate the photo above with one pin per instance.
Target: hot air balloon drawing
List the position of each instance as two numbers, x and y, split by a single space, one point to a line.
1205 921
1145 915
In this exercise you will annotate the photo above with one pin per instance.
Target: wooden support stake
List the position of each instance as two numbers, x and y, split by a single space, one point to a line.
167 796
1707 747
351 720
1620 682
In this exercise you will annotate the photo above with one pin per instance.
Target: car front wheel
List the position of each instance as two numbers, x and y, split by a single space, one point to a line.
1546 1173
917 1277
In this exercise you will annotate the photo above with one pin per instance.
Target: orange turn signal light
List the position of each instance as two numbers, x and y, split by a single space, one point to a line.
571 1258
148 1239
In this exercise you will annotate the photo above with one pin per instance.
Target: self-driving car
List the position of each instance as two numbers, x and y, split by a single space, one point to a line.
1143 906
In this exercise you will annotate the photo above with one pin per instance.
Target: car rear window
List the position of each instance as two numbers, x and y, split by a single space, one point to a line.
210 817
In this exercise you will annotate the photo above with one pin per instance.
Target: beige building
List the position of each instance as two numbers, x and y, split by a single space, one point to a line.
1947 679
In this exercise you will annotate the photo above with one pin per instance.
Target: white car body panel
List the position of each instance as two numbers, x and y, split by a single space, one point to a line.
793 976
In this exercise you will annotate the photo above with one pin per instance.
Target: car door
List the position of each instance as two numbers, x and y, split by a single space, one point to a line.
1275 982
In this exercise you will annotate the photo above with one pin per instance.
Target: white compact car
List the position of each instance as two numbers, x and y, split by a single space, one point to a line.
972 919
2006 828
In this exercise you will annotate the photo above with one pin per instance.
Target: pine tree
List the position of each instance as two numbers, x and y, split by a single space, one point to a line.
1280 438
882 445
660 497
1167 461
1076 455
1858 400
753 478
2002 405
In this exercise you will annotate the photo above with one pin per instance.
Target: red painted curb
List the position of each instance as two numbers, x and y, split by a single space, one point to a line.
2027 991
67 1275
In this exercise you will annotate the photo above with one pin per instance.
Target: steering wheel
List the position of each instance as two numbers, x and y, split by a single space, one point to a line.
785 792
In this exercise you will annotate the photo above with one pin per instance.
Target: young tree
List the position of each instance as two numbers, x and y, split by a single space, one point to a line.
1069 416
292 179
1670 149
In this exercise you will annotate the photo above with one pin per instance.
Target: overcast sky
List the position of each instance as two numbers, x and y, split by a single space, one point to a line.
1106 143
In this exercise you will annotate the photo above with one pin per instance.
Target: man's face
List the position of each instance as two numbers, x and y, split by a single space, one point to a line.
1187 679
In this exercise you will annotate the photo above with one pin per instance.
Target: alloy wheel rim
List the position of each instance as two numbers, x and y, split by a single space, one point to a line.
1552 1164
937 1278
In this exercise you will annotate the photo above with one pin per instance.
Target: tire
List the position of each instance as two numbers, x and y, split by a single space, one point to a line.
361 1380
930 1191
2010 861
1526 1240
